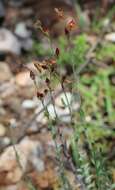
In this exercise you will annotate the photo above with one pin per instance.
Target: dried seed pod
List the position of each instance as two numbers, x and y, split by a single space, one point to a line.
45 30
40 95
59 13
66 32
32 75
46 91
44 67
47 81
71 25
38 66
57 52
63 78
52 61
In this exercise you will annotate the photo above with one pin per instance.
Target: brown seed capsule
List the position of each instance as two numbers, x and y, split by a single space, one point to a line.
32 75
45 30
38 66
46 91
52 61
59 13
44 67
57 52
66 32
47 81
63 78
40 95
71 25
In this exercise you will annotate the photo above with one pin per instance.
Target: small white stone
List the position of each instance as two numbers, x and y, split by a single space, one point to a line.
29 104
62 97
8 161
22 31
8 42
2 130
88 118
38 164
106 22
51 111
13 123
6 141
110 37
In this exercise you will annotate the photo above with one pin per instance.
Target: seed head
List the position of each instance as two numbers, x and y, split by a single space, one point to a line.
59 13
44 67
66 32
52 61
71 25
46 91
38 66
40 95
57 52
47 81
32 75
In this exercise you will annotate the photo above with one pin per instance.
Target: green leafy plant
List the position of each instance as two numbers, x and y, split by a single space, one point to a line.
98 93
73 54
76 54
105 52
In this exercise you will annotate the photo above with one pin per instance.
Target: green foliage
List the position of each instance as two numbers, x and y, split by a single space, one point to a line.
107 51
91 165
75 55
69 53
98 96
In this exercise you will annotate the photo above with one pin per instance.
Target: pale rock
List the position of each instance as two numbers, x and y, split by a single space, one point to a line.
62 114
2 111
22 31
6 141
2 130
8 42
63 103
24 34
28 104
88 119
13 123
8 89
5 73
38 164
10 167
23 79
41 119
106 22
110 37
62 97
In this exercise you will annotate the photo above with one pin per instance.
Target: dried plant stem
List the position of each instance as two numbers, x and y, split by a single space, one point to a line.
63 90
64 180
68 104
27 179
53 103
